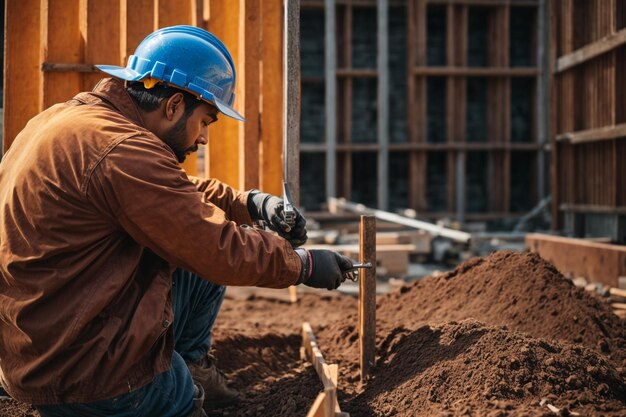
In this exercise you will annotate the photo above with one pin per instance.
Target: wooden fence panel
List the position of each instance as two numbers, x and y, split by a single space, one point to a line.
100 26
223 160
71 36
61 45
22 74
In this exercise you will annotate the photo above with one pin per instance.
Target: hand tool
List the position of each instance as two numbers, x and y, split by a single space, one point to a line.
291 101
350 273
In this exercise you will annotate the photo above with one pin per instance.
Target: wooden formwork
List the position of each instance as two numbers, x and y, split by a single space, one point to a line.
589 116
53 45
402 135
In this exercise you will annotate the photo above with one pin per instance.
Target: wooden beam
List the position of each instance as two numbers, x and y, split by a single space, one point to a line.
592 50
367 296
357 72
248 71
22 82
594 135
271 134
100 29
223 148
327 373
169 13
493 71
138 21
61 42
598 262
65 67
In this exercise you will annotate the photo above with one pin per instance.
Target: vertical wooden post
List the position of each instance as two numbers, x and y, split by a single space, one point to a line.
223 149
367 295
22 75
169 13
249 79
60 42
271 133
100 27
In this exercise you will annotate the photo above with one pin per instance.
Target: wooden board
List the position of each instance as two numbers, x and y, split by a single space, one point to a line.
597 262
21 67
223 147
367 296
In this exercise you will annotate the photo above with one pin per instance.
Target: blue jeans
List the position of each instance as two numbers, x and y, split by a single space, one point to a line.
196 303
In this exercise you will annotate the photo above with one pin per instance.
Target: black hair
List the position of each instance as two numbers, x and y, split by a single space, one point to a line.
148 99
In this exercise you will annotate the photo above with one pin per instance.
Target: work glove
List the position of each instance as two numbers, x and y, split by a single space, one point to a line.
323 268
269 209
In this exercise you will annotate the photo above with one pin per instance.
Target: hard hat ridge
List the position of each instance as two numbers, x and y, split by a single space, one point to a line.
186 57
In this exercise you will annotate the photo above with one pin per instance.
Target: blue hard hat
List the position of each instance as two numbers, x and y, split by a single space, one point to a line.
186 57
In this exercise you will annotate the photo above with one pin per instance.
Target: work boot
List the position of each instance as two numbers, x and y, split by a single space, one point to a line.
198 402
216 391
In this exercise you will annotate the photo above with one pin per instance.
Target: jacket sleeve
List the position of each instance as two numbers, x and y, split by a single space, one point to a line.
141 186
233 202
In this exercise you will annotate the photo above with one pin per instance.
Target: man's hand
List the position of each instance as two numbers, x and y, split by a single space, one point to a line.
323 268
270 208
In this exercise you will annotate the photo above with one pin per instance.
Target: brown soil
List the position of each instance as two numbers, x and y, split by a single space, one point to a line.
503 335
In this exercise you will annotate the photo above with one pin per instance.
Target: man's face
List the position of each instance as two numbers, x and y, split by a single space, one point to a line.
189 132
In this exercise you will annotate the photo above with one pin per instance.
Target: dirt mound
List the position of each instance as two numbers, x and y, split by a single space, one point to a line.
519 290
459 367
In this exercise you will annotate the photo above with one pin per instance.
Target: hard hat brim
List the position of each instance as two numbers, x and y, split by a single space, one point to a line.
131 75
121 72
227 110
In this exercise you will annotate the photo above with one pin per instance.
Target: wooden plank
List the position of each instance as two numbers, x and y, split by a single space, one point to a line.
22 99
223 149
327 373
367 297
592 50
138 17
618 292
357 72
492 71
330 99
317 409
169 13
593 135
248 71
597 262
65 67
61 43
100 27
271 174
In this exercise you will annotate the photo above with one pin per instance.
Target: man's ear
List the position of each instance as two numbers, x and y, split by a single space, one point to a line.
174 106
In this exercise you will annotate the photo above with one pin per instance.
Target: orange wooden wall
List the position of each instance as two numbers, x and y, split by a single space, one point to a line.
52 45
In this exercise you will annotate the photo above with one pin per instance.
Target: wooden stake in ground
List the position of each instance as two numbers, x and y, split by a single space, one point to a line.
367 295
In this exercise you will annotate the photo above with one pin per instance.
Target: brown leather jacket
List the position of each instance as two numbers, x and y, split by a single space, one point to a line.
95 214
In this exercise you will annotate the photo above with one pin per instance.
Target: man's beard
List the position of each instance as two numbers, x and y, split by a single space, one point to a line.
176 137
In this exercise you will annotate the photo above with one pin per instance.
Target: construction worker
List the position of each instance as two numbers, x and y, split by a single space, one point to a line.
113 260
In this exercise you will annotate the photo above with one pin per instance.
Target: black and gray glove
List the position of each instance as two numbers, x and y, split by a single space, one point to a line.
269 209
323 268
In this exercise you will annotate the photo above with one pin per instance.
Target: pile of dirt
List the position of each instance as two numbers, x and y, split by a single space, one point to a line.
469 367
498 336
519 290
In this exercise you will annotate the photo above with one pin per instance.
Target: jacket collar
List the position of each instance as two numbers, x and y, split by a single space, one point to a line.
112 91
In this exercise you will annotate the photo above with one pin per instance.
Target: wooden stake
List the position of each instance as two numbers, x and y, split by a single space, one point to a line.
367 295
